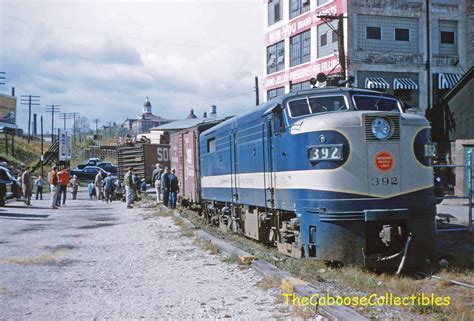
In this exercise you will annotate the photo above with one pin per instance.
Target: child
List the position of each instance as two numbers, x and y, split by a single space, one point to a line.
91 190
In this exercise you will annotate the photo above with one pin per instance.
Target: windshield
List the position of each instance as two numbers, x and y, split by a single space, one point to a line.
315 105
374 102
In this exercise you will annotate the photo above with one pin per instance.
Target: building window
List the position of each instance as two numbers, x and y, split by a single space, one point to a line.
326 42
275 92
447 37
276 57
374 33
298 7
300 48
335 36
448 33
300 86
274 11
323 39
402 34
321 2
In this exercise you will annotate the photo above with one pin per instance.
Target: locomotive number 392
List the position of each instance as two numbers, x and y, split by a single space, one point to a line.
384 181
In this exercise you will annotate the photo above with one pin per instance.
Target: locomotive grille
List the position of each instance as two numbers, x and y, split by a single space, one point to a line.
394 122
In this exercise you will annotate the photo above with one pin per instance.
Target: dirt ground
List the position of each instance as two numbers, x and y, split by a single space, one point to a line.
93 260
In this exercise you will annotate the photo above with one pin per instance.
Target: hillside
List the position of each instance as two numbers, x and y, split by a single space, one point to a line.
24 153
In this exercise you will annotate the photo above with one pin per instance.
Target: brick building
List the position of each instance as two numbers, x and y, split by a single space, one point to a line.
395 46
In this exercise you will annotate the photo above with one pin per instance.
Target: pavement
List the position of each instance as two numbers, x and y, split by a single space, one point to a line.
91 260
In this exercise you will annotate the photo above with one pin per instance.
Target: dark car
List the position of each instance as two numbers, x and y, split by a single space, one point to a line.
109 167
9 188
89 173
90 162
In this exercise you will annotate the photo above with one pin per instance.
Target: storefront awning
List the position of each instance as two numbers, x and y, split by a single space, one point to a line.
404 84
376 83
446 81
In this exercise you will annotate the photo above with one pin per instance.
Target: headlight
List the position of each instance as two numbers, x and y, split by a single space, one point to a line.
381 128
430 150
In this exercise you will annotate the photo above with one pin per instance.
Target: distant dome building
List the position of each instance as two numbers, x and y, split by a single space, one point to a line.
145 121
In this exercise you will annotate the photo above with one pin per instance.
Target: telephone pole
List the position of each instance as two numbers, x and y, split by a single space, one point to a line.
97 121
2 77
65 116
340 34
29 100
52 109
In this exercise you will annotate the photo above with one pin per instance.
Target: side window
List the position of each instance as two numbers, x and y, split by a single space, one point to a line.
279 124
211 145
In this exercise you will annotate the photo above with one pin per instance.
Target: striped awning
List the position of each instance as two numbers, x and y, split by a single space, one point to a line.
404 83
376 83
446 81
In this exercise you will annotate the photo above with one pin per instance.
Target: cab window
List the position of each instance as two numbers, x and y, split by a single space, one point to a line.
316 105
376 103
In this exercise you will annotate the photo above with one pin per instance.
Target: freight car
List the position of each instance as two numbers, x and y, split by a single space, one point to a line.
336 173
142 157
185 157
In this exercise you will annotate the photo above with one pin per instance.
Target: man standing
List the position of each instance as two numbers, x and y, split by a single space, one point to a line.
174 188
64 178
26 185
108 188
128 182
165 186
99 181
53 181
156 175
74 186
39 182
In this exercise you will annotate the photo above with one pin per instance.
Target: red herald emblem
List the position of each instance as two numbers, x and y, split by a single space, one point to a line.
384 161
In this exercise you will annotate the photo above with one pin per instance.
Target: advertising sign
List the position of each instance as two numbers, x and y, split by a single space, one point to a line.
304 22
65 145
7 109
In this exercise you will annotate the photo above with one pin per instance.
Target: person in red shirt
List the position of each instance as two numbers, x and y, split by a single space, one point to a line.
63 178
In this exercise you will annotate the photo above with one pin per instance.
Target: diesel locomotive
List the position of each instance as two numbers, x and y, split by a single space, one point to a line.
336 173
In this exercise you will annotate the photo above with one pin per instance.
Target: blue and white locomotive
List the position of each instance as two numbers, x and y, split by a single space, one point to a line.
334 173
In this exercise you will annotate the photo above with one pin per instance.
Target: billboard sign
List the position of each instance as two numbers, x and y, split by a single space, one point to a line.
7 110
65 145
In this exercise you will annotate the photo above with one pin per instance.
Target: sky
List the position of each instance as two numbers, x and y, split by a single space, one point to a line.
103 58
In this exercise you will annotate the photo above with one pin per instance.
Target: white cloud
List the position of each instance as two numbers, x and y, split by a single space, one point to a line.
102 58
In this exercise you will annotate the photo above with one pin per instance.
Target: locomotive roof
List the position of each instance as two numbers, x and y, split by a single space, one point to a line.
261 109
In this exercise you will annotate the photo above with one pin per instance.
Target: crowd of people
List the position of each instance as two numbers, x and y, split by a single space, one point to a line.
166 186
58 181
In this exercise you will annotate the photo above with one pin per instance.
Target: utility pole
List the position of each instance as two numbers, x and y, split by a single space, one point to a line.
2 77
74 115
29 100
65 116
340 33
97 121
52 109
42 151
109 124
257 102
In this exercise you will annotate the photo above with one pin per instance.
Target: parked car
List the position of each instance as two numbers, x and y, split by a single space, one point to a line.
9 189
89 173
90 162
107 166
